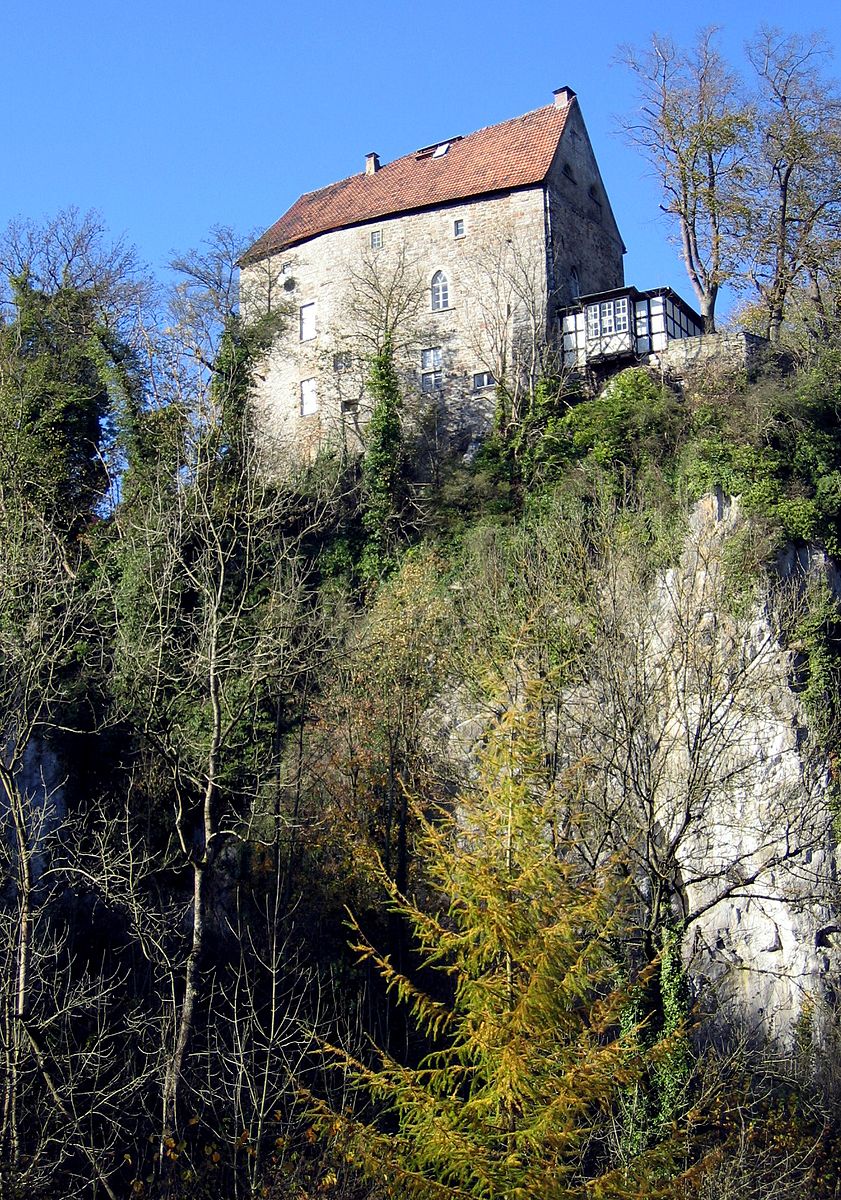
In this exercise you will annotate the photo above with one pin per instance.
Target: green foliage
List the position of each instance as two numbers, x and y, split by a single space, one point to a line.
776 445
465 493
384 467
745 556
634 421
817 635
673 1066
516 1099
635 424
366 728
54 401
537 440
657 1016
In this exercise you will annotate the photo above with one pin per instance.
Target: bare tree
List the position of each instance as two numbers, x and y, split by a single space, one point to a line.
214 634
207 293
74 250
793 215
510 304
64 1077
673 713
388 292
693 126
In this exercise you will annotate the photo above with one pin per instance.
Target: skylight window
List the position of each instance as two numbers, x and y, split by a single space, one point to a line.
437 149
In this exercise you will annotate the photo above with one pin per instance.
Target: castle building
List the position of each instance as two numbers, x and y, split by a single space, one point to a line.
464 253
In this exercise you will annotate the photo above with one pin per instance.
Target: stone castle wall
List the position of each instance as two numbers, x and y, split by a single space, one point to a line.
353 284
727 353
584 235
519 254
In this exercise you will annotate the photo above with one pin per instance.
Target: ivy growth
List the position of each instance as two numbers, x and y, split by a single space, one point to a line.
385 489
818 636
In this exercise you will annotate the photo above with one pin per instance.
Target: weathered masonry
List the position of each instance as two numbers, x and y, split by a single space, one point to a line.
463 253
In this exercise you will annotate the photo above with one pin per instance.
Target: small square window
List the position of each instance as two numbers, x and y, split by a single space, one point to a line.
483 379
307 322
342 361
309 397
431 375
376 239
458 228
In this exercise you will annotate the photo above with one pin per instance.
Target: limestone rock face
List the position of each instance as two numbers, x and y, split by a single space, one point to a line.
759 871
700 770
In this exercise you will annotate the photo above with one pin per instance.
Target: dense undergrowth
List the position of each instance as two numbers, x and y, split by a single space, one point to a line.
257 718
512 544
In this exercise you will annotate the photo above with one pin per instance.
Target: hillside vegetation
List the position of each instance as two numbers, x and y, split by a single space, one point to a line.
333 852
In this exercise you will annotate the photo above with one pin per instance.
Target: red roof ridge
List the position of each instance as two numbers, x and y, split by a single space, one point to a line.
493 158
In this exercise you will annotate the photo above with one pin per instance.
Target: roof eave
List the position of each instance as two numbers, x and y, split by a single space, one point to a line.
249 257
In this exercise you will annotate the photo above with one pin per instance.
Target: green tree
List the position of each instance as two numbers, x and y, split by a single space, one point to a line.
528 1063
384 467
56 362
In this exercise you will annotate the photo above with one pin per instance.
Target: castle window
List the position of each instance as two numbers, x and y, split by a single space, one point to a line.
306 316
431 375
376 239
440 292
342 361
309 397
483 379
607 318
458 228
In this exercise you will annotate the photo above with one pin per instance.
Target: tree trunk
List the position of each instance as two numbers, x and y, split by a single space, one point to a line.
20 987
708 300
175 1067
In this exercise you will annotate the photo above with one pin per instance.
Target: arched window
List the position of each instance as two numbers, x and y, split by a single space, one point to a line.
440 291
574 285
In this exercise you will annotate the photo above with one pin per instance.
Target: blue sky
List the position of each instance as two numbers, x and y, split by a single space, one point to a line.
170 117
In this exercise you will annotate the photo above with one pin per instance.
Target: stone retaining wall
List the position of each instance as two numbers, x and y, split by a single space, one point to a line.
722 353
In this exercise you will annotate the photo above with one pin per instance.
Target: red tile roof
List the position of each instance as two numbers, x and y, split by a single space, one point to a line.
515 154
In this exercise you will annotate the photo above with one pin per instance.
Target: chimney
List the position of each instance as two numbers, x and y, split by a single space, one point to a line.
372 163
563 97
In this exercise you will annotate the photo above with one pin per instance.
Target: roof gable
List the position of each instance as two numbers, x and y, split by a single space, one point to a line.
514 154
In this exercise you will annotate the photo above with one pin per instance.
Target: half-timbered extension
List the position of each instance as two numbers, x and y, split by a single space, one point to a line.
605 328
